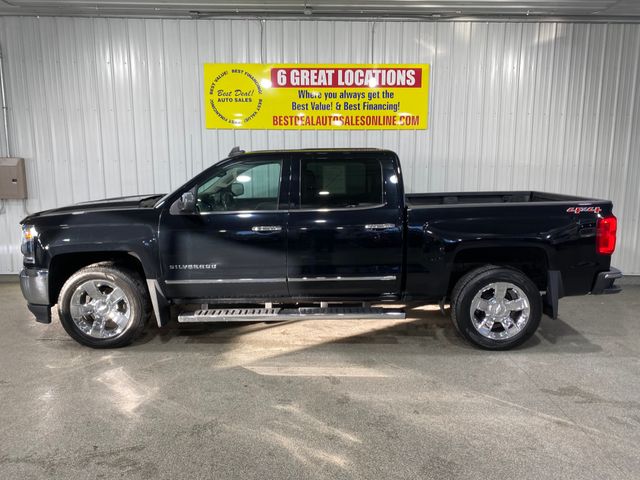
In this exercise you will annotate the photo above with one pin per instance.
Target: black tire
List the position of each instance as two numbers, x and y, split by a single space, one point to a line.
471 284
138 303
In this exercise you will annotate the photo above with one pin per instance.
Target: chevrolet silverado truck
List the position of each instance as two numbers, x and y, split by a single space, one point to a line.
313 234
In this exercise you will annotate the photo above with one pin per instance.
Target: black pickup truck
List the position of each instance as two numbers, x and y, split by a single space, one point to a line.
314 234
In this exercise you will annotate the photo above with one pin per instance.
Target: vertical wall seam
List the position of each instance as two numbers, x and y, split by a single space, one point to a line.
132 104
497 133
82 112
596 137
4 149
565 102
63 108
582 105
183 108
433 103
447 155
114 101
483 106
149 100
514 161
532 122
613 126
550 101
467 110
201 112
99 104
166 105
47 108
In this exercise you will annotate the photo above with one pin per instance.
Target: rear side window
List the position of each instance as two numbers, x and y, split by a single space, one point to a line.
340 183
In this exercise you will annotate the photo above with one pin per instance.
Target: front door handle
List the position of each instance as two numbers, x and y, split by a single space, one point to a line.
266 228
379 226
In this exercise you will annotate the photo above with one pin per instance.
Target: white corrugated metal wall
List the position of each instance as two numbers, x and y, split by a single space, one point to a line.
108 107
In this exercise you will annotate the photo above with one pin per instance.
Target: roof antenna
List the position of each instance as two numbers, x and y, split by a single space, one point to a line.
236 151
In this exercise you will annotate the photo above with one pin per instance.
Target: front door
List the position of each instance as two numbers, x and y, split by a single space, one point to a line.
345 227
234 246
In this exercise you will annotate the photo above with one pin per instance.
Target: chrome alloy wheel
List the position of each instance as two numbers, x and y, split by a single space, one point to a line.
500 310
100 309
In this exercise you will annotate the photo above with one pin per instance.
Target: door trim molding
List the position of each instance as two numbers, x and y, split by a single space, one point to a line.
382 278
225 280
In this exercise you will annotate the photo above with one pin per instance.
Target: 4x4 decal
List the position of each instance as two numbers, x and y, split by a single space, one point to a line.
584 210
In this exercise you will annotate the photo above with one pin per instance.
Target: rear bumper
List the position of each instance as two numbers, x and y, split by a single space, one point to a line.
34 283
604 283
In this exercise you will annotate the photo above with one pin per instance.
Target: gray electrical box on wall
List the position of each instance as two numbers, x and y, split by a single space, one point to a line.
13 182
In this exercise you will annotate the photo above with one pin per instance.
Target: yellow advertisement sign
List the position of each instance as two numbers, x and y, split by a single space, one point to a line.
316 97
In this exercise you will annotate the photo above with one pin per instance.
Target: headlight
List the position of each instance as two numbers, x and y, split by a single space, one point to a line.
27 248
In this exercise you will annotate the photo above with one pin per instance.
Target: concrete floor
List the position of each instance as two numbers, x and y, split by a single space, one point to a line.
325 399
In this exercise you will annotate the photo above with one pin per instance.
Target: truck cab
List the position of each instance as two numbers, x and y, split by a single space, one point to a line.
287 225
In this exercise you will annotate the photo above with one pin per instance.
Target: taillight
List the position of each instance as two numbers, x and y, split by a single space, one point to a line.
606 235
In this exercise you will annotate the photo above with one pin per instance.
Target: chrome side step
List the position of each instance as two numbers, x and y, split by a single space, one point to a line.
283 314
228 315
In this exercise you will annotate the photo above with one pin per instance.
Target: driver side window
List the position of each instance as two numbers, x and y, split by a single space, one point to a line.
248 185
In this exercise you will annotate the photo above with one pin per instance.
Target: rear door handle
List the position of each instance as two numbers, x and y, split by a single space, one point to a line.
379 226
266 228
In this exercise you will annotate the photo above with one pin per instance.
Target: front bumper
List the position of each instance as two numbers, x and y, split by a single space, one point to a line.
34 283
604 283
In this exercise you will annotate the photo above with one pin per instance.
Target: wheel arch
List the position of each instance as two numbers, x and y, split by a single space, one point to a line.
533 261
63 265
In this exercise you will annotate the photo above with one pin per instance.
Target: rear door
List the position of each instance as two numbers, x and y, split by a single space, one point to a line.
345 229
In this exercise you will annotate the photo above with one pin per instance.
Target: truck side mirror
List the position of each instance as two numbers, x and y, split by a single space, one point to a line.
187 203
237 189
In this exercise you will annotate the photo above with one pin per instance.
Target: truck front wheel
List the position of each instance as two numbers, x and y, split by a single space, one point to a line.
496 308
104 306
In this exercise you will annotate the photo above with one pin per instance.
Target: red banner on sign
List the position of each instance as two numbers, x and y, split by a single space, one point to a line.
346 77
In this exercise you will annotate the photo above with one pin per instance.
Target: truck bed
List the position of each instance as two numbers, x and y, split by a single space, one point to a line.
444 229
462 198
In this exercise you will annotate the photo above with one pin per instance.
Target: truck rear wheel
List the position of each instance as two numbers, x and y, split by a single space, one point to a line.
104 306
496 308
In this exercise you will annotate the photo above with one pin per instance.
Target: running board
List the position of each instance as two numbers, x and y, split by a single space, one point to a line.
282 314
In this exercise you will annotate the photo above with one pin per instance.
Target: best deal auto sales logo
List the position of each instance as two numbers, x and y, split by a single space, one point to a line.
578 210
235 96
